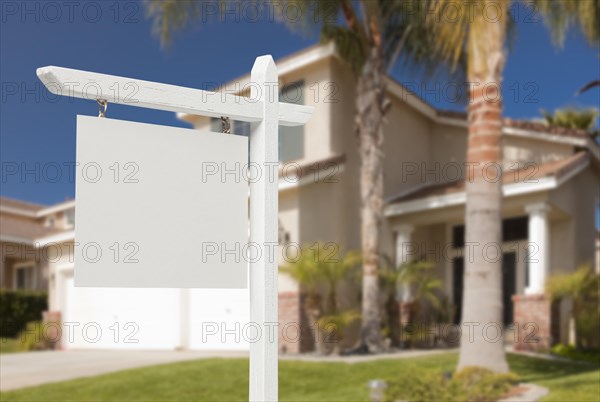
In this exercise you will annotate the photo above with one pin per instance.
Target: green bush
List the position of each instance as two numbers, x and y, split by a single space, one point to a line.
570 352
472 384
17 308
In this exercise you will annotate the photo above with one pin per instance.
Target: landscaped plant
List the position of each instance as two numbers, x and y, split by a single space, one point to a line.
471 384
570 352
17 308
36 336
414 285
582 289
320 269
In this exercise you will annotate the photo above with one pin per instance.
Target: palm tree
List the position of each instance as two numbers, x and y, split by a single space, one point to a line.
371 36
485 42
582 119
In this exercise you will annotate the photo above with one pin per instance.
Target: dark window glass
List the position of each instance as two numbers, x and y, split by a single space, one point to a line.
458 236
515 229
512 229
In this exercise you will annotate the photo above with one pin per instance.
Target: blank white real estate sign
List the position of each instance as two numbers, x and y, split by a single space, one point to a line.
159 207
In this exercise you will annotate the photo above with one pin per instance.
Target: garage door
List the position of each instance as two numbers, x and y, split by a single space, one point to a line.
126 318
218 318
107 318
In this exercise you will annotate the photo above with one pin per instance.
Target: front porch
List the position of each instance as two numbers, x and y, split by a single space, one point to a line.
429 225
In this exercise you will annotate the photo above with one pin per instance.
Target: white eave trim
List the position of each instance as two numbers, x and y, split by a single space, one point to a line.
57 238
562 139
40 213
450 200
56 208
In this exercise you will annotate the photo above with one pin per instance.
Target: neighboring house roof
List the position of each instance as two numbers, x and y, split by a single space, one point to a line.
547 176
20 222
31 210
6 202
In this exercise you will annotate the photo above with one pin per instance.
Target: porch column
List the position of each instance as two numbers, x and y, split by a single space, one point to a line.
539 240
404 250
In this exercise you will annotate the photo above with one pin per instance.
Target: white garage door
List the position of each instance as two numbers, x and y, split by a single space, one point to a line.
126 318
103 318
218 318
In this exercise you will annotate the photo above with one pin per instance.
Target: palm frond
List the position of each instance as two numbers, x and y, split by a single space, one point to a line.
562 15
348 43
169 16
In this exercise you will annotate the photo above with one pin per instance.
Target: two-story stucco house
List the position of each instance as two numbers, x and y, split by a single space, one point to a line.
551 192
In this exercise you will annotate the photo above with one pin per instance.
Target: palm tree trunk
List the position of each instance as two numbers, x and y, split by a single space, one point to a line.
371 103
482 300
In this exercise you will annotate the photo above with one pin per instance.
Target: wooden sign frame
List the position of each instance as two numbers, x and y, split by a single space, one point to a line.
266 113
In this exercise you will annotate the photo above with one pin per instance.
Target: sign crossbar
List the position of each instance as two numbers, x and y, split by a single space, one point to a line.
171 98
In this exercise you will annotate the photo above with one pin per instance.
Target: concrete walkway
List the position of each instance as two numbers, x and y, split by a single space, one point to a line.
18 370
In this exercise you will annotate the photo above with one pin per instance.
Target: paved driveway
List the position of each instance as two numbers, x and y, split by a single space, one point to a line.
18 370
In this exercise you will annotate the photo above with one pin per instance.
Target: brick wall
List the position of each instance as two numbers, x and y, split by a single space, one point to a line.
536 320
295 335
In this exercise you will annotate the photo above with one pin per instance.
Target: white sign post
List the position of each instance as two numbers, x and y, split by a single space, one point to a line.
264 111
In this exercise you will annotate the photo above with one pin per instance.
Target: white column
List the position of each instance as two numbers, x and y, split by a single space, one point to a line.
538 247
404 250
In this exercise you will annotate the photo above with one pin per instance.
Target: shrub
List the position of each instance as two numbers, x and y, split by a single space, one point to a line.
17 308
471 384
570 352
32 337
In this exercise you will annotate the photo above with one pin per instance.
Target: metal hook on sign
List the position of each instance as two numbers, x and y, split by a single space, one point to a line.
226 125
102 106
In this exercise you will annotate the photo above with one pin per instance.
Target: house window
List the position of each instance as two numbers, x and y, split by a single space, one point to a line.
50 221
70 217
24 276
291 139
458 236
513 229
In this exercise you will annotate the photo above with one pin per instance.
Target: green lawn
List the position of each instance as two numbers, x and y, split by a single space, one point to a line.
227 379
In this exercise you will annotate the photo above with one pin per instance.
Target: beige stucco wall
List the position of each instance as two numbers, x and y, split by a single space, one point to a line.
519 151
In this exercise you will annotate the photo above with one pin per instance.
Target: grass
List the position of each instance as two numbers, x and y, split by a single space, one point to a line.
227 380
9 345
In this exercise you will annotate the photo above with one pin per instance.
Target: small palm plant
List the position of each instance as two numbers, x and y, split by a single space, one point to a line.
582 289
420 289
320 270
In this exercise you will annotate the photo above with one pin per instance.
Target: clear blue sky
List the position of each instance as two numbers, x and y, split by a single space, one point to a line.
38 129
